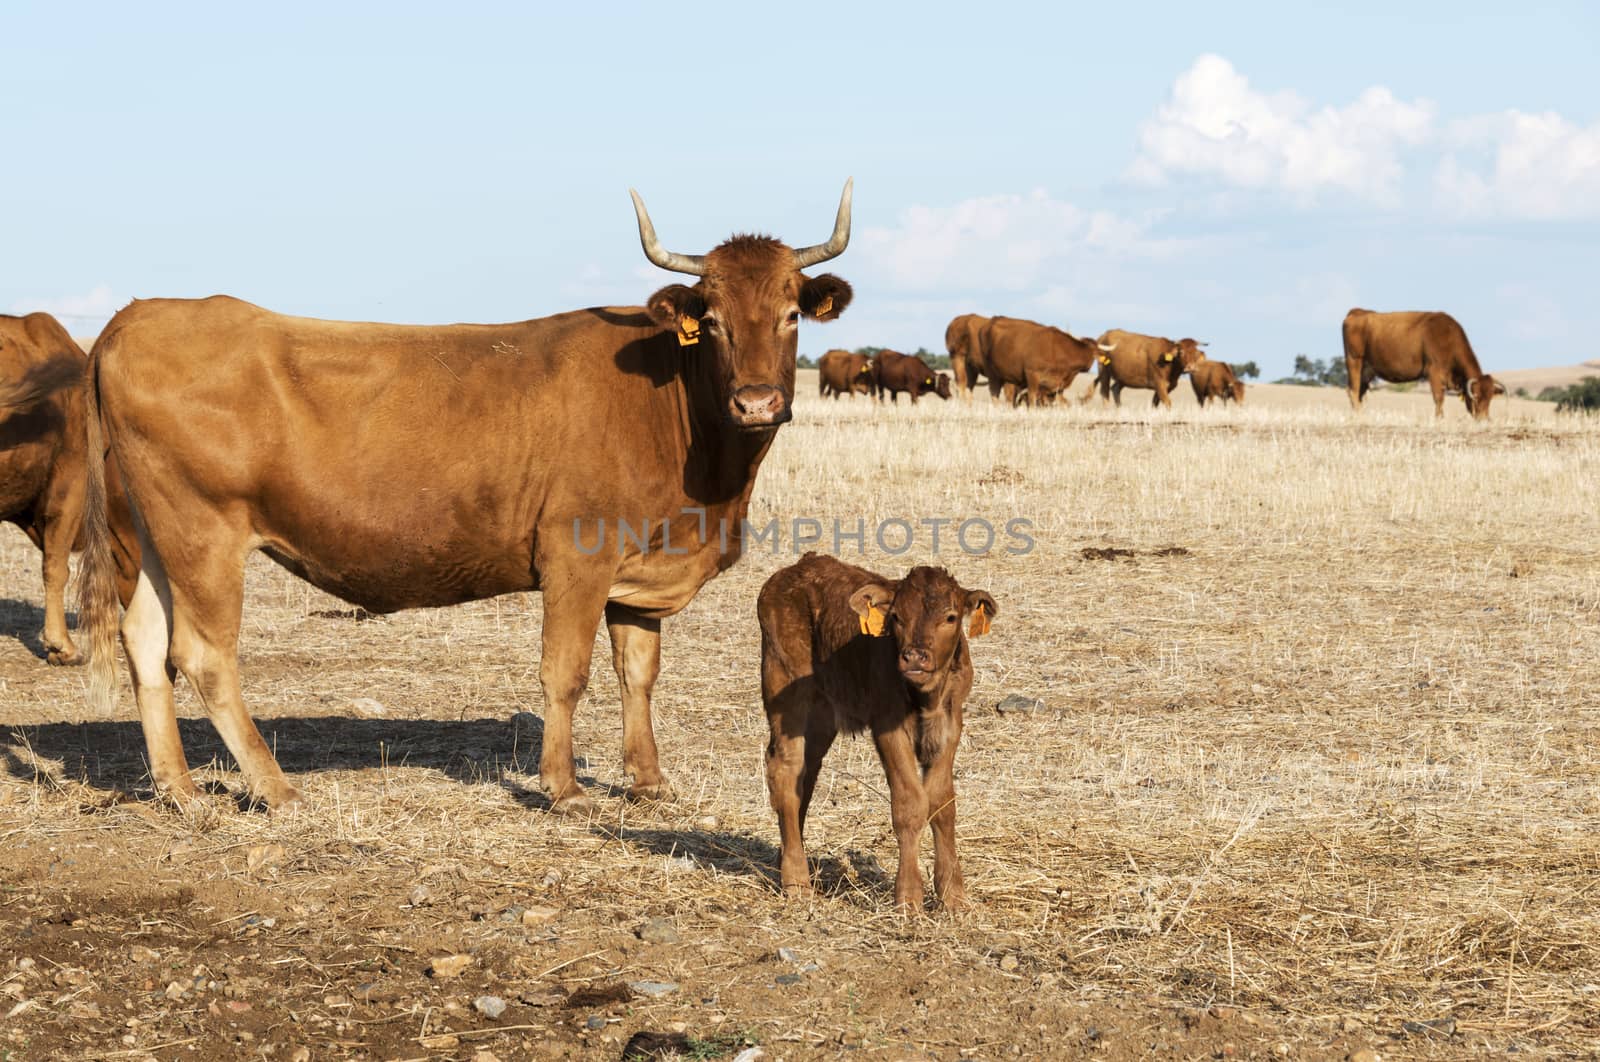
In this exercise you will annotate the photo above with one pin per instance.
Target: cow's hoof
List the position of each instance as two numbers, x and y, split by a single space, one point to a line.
798 891
69 657
574 805
658 793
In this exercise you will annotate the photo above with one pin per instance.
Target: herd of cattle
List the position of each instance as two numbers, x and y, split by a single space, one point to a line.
197 432
1035 363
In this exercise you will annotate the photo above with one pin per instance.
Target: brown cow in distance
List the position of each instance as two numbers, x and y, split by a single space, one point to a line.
1145 363
839 372
1037 359
1401 347
418 466
896 372
963 339
1215 379
44 462
845 649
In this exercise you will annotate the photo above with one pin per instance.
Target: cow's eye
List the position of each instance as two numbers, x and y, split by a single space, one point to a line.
794 316
951 618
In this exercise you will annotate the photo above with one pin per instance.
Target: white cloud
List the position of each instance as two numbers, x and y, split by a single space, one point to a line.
1512 164
1215 125
1013 243
79 314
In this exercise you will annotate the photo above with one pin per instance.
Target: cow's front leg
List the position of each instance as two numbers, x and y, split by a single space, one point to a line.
939 783
636 656
908 811
572 609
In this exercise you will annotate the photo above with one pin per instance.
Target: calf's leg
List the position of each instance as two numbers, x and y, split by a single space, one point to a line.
908 810
790 702
939 782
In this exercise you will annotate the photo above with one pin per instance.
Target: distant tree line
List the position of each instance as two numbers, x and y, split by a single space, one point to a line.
1315 372
1581 397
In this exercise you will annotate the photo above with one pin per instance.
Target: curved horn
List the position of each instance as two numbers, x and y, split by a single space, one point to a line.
693 264
1107 349
806 257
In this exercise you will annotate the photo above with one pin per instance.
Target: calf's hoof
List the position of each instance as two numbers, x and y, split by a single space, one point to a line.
280 797
652 793
62 657
575 805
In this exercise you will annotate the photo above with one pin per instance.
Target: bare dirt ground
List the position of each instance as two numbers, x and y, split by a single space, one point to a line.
1303 765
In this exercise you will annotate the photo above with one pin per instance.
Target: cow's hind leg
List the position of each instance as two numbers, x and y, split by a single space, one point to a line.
206 605
636 656
147 640
55 540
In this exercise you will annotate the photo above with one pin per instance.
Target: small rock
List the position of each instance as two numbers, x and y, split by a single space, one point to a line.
366 706
1365 1054
658 931
1008 962
788 979
301 1054
708 822
1229 1050
512 913
551 877
175 990
596 1021
750 1054
442 1042
653 989
419 896
483 1054
1436 1027
1280 1049
1349 1025
448 966
140 953
810 967
680 863
84 1010
788 955
490 1007
1016 702
538 916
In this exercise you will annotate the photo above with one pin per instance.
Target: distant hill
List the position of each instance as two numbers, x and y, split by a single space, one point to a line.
1536 380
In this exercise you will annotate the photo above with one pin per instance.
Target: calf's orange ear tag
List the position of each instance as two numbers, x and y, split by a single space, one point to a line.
688 331
872 622
824 306
1105 359
980 622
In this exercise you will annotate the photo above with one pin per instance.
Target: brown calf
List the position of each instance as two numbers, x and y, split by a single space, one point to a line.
896 372
845 649
1215 379
840 372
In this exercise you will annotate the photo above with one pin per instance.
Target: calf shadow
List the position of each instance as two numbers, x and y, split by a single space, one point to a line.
110 755
857 878
24 621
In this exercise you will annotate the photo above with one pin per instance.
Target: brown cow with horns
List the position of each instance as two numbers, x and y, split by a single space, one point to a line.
405 467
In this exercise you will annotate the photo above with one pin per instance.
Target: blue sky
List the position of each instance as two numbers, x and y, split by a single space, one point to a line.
1241 173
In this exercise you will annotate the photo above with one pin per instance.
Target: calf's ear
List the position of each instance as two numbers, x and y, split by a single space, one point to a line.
871 604
983 609
669 306
824 298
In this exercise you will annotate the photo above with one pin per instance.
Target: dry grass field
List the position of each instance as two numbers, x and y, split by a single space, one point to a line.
1313 773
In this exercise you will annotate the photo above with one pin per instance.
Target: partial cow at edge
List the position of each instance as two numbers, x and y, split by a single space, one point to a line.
969 359
839 372
1416 345
419 466
43 462
846 649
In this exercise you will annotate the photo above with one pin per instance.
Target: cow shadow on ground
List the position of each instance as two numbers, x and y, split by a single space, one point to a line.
24 621
857 877
110 755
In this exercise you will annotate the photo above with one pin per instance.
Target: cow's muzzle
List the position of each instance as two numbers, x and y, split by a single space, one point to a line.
916 666
752 408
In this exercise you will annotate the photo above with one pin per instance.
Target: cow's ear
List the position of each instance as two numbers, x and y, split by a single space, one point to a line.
871 603
824 298
983 610
674 302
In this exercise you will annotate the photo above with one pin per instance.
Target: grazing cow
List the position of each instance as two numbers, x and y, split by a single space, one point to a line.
1215 379
840 372
963 338
404 467
896 372
1038 359
1145 363
845 649
1401 347
43 466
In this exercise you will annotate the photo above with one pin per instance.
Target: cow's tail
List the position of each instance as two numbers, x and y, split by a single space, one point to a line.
97 586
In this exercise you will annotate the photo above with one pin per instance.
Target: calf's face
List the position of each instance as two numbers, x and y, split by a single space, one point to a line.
923 614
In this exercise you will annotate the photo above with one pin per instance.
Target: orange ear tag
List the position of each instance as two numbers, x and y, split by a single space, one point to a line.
1105 359
980 622
1166 357
688 331
872 622
824 306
